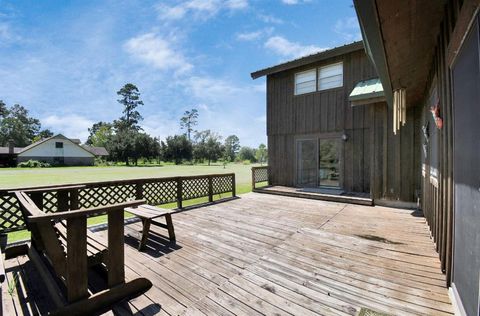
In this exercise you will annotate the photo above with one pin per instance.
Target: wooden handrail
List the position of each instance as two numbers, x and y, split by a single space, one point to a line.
85 212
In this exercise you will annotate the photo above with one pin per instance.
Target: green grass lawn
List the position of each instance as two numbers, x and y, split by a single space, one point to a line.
19 177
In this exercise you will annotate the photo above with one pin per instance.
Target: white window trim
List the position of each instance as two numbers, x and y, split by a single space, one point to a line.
302 72
318 76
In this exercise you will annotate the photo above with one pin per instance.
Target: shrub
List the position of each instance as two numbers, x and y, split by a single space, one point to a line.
34 164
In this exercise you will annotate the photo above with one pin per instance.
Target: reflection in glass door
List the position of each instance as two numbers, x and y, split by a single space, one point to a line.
329 162
307 163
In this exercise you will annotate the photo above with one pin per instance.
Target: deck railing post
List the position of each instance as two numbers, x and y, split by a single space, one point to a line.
210 189
139 190
234 188
74 199
179 192
62 200
253 178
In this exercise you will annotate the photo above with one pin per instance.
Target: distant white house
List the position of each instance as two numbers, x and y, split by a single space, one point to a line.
57 150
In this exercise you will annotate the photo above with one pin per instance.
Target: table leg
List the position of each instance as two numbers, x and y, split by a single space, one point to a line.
171 231
146 229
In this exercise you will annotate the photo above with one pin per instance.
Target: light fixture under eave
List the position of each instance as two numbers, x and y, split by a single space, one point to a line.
399 109
344 137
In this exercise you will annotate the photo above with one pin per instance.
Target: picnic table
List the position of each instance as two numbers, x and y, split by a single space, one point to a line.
147 213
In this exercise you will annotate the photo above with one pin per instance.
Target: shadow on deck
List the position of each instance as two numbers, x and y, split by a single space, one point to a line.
268 254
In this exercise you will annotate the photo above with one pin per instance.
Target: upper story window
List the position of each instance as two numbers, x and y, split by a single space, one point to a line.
305 81
58 145
330 76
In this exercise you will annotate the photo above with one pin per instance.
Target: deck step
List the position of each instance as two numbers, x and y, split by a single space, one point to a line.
316 196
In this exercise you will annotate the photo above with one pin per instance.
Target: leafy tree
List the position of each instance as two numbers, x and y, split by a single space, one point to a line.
122 146
177 148
3 110
207 146
46 133
188 121
17 125
247 153
261 153
130 99
100 134
232 146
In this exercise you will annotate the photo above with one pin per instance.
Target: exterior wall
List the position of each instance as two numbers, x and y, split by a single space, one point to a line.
395 159
47 149
68 161
320 113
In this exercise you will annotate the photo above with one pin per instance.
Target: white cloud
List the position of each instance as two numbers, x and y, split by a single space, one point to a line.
285 48
7 36
269 19
348 28
157 52
252 36
202 9
293 2
70 125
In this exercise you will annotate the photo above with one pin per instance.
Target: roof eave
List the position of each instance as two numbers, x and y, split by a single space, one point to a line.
373 43
334 52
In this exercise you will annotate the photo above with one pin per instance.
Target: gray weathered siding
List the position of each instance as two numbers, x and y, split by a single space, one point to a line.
319 113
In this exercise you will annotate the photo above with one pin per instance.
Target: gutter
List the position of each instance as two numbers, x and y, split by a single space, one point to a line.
373 42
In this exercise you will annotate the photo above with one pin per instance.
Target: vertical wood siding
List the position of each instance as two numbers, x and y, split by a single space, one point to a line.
325 112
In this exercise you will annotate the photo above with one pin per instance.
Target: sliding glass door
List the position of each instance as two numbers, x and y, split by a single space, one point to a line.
307 163
318 162
329 162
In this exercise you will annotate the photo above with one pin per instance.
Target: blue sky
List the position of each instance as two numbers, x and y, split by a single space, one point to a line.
65 60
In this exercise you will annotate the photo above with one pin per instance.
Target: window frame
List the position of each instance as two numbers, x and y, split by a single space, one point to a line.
58 145
326 66
302 72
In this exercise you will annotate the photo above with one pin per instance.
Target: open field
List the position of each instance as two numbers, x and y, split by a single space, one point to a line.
18 177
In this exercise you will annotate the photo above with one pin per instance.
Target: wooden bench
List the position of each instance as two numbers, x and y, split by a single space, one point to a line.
147 213
63 250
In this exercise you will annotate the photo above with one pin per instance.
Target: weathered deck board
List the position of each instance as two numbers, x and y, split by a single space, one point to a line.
268 254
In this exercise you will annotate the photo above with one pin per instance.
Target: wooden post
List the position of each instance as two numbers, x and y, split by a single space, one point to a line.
37 198
139 190
210 189
179 192
62 201
74 204
116 251
234 189
77 274
253 178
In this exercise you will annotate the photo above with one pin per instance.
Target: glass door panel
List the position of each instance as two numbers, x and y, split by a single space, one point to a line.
329 162
307 163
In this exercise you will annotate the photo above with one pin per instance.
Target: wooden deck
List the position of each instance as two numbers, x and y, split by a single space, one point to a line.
268 254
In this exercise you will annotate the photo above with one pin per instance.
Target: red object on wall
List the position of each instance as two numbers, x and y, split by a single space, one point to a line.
436 115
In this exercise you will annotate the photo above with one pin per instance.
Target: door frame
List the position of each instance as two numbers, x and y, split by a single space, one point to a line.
458 303
317 137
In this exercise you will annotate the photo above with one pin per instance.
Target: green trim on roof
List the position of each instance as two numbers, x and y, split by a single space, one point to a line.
367 89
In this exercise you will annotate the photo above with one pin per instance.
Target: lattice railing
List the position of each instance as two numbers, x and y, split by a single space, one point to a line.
259 174
155 191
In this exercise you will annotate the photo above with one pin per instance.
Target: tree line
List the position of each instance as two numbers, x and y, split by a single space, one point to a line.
126 141
18 126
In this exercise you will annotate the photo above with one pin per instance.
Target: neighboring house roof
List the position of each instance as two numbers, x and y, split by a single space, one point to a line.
76 141
58 136
337 51
6 150
97 151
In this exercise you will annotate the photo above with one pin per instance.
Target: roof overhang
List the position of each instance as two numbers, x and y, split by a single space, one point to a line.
334 52
400 38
